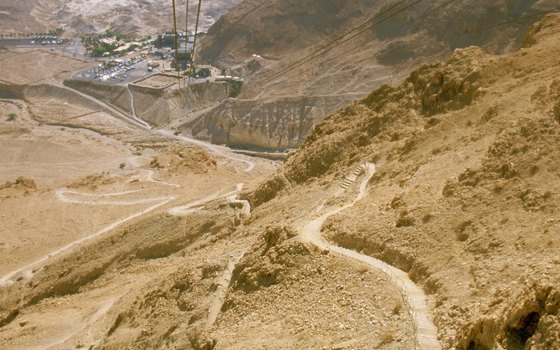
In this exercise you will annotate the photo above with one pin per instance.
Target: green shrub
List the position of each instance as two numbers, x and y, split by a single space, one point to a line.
235 88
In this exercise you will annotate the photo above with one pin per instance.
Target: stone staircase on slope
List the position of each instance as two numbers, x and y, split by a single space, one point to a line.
350 179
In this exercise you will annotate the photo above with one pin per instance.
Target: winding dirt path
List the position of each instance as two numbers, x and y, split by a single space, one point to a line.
134 116
62 194
151 178
29 269
198 204
133 119
425 330
216 149
107 107
68 196
195 205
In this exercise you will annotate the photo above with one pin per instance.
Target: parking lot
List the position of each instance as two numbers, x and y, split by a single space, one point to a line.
120 71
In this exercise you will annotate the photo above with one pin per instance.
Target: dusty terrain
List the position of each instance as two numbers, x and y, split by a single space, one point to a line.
321 54
424 215
117 236
73 171
465 198
131 17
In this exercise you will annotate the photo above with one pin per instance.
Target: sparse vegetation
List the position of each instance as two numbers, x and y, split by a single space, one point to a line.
11 117
387 337
106 43
234 88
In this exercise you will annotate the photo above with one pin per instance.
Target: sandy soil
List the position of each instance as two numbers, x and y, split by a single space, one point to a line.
155 248
72 173
31 67
101 216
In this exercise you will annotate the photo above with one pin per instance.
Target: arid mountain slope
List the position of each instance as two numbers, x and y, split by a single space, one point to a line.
465 198
400 37
399 31
135 17
466 195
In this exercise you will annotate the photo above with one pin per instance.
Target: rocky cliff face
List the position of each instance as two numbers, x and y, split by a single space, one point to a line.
156 106
278 123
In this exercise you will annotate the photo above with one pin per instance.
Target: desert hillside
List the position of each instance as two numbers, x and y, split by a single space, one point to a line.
396 33
423 214
465 197
79 16
302 49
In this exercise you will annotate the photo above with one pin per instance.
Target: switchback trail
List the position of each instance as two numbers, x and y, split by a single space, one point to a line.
68 196
112 110
425 330
198 204
86 198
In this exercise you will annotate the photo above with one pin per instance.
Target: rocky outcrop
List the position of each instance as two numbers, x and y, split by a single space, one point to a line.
276 123
525 320
22 185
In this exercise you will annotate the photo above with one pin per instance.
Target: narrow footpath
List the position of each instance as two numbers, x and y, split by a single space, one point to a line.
424 329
